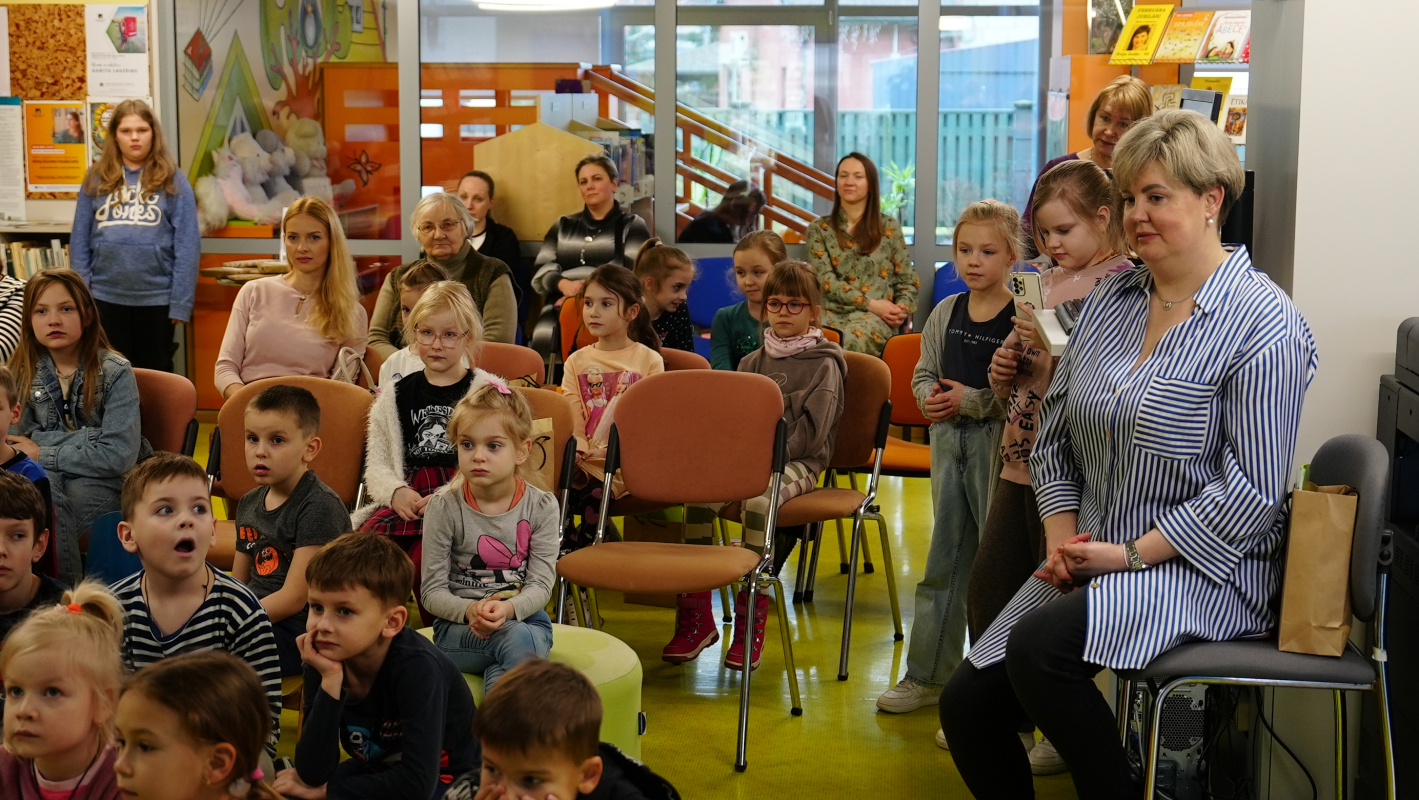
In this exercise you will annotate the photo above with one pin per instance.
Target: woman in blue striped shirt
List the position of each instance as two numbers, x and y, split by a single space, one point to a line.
1161 466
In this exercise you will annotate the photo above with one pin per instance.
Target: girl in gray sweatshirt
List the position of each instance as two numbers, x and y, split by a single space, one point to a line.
490 541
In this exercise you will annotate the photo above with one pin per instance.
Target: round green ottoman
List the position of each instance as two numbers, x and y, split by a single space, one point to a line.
612 667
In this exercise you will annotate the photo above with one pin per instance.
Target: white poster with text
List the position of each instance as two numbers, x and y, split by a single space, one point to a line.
118 50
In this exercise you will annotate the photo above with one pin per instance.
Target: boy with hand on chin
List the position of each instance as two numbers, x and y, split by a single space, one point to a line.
178 603
23 539
395 703
540 731
289 516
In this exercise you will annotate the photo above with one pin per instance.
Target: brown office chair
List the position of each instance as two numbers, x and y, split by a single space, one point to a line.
547 404
344 410
373 362
167 404
725 468
511 362
862 434
682 359
832 334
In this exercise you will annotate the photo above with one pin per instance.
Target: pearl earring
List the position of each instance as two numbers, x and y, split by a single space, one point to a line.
1209 220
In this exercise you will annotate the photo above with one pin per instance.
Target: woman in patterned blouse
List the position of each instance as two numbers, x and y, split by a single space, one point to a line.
869 283
1162 463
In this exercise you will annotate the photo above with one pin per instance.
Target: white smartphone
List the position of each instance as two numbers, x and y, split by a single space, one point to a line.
1026 288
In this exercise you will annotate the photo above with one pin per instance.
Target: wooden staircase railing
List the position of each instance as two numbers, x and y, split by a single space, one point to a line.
774 166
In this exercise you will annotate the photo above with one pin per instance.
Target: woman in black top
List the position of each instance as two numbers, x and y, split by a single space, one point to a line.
475 191
601 233
729 221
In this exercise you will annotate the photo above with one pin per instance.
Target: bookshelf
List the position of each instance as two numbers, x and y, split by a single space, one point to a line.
27 247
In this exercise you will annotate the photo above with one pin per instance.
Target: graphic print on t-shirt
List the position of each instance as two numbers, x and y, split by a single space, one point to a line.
430 425
599 390
267 559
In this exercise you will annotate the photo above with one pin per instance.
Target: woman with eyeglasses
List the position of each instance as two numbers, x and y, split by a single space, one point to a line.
303 322
442 226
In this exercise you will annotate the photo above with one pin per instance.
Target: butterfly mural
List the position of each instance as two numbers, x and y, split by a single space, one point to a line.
364 167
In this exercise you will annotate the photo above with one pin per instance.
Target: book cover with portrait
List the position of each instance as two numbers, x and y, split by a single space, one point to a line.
1141 34
1229 41
1187 30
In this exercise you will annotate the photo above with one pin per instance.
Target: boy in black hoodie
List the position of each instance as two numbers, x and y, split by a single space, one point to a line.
540 734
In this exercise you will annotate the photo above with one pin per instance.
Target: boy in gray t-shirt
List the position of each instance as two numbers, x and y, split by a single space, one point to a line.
283 522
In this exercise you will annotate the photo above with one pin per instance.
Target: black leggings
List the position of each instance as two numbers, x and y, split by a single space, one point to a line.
1043 678
143 334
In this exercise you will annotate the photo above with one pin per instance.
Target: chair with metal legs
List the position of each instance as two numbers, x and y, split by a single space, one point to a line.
1357 461
724 469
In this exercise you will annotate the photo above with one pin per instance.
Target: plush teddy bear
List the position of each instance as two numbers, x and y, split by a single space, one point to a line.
307 139
283 160
227 170
255 164
212 209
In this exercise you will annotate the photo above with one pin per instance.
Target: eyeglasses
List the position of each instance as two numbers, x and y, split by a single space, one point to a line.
447 226
793 306
449 339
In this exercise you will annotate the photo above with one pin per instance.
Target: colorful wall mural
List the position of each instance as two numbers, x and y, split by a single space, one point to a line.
280 98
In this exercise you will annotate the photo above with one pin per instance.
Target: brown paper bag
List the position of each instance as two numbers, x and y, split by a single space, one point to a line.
1315 598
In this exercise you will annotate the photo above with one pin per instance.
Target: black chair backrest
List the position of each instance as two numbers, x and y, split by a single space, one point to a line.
1362 463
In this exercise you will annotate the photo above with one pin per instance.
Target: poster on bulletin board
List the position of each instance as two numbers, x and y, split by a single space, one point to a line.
56 150
117 42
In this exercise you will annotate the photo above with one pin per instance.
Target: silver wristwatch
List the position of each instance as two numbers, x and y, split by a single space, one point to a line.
1135 561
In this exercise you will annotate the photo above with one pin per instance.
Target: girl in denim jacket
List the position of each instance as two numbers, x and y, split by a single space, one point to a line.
79 415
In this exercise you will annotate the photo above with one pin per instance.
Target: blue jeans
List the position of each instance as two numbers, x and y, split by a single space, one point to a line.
515 642
78 501
965 461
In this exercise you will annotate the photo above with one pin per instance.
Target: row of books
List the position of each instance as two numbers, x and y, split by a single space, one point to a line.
1156 34
24 260
1233 119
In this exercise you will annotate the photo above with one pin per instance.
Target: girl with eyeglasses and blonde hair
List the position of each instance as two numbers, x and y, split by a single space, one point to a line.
810 370
409 453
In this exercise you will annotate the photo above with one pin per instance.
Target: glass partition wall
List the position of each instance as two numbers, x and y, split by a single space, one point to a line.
767 96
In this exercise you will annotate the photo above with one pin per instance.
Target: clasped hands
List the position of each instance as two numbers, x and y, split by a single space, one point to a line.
1080 558
486 616
894 314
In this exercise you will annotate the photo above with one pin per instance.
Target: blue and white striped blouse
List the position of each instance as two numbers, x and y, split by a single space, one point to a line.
1198 442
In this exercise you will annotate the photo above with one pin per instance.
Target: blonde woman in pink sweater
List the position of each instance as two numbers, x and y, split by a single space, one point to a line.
300 323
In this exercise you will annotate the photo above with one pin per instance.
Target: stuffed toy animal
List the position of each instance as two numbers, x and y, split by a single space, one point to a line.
212 209
227 169
307 139
255 164
283 161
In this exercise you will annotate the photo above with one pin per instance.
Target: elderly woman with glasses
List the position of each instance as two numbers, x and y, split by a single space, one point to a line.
442 226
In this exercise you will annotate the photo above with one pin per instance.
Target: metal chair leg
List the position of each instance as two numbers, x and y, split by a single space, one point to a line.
851 593
800 581
786 636
582 619
751 597
1155 724
722 529
816 536
867 565
891 577
831 480
559 602
1339 745
1123 706
593 609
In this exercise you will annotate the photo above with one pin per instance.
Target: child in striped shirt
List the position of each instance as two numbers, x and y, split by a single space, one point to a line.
179 603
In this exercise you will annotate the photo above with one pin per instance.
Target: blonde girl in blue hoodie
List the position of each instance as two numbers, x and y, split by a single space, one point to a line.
136 240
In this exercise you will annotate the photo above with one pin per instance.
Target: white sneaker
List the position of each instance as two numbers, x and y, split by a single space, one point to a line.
1028 739
1045 760
908 695
941 739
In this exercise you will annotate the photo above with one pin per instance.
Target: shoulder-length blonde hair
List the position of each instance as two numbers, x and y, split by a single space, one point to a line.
106 176
992 213
333 315
496 398
1189 149
24 362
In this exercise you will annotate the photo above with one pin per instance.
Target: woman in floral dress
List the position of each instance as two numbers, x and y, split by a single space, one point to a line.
869 283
